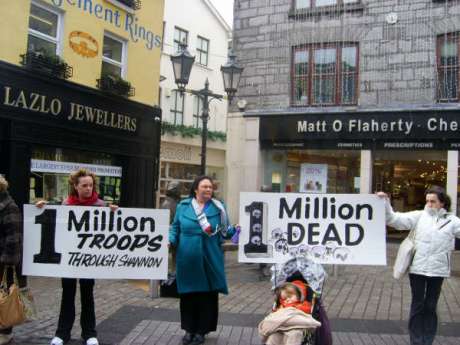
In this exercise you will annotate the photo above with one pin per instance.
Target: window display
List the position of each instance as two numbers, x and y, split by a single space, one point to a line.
405 175
293 171
51 182
185 174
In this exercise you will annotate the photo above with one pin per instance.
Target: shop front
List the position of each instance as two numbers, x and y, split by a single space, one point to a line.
180 162
400 152
50 127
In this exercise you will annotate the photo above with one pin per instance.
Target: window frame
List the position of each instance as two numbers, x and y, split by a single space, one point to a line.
45 37
174 110
197 112
440 39
201 52
313 4
338 78
178 28
124 53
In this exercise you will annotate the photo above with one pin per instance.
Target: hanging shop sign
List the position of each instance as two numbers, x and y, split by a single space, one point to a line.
380 130
344 229
83 44
94 242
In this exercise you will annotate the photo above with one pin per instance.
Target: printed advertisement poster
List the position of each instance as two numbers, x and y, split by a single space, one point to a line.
346 229
94 242
313 178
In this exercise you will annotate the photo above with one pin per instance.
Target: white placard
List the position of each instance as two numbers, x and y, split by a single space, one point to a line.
94 242
40 165
313 178
331 228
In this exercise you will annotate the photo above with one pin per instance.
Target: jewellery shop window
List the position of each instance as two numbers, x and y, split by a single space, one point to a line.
185 174
50 169
312 171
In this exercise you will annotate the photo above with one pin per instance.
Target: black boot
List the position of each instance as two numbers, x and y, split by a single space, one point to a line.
198 339
187 338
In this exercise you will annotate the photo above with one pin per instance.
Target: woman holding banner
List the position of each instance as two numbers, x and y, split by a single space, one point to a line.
82 187
435 229
197 232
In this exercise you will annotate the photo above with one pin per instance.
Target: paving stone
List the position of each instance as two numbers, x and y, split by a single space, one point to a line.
365 305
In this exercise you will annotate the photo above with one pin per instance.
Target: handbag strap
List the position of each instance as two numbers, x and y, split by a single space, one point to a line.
4 282
412 231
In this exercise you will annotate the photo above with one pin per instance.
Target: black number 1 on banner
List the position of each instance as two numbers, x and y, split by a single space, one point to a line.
47 253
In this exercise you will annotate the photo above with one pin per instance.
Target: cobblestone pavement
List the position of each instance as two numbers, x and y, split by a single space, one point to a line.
365 304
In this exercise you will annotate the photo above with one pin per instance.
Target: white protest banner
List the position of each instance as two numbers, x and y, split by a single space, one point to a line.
94 242
313 178
330 228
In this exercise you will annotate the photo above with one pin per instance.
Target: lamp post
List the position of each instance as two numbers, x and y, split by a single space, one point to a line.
182 63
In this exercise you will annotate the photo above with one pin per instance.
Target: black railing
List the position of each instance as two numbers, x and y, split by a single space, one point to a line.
52 65
134 4
115 85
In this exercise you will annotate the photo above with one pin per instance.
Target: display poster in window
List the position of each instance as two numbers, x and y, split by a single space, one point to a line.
95 242
344 229
313 178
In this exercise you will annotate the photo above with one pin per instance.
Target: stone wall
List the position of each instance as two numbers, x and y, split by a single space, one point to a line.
397 62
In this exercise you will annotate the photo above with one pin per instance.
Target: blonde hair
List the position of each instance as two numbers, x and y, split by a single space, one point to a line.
3 184
75 177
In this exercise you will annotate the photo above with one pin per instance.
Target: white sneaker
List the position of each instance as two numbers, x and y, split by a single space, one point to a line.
57 341
92 341
5 338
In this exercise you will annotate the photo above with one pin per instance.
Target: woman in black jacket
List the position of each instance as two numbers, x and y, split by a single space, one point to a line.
10 243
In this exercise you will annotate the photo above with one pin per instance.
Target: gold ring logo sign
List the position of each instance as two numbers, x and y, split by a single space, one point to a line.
83 44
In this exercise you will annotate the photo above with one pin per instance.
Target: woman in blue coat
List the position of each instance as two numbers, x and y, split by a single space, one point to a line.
197 232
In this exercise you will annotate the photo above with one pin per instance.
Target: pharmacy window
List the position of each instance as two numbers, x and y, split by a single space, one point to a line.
44 30
113 56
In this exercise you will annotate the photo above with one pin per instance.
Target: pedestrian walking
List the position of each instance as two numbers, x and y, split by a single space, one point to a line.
10 244
82 187
435 230
197 232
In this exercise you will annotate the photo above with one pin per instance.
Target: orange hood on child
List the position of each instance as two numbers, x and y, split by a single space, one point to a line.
302 303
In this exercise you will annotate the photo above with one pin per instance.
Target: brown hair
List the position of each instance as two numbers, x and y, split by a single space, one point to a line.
196 183
441 194
74 178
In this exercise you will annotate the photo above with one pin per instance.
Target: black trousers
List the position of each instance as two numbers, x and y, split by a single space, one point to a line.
199 312
423 320
67 314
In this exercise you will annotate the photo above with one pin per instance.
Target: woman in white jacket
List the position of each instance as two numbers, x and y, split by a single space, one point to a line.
435 232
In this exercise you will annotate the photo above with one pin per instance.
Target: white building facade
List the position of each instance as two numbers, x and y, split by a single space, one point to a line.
207 35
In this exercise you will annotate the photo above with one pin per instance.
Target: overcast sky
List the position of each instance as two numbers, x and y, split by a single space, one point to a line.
225 7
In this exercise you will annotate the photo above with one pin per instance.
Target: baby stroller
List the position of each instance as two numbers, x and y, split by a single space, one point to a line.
313 275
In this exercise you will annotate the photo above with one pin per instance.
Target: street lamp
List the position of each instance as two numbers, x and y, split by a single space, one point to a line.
182 63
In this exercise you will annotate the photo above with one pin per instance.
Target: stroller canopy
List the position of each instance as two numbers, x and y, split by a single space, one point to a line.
312 272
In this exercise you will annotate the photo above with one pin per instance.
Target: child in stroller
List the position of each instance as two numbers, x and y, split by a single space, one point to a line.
297 308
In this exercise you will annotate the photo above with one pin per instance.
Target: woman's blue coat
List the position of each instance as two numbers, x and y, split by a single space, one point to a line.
199 257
